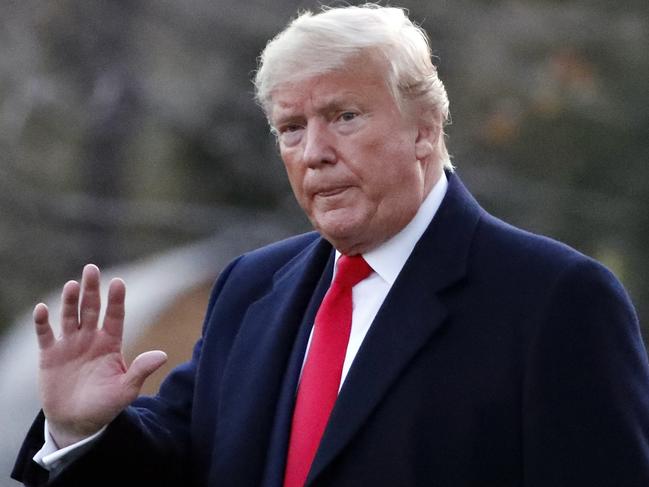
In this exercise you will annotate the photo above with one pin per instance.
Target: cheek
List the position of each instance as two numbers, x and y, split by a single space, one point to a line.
389 165
295 175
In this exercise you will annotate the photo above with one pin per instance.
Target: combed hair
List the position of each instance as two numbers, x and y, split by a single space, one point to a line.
314 44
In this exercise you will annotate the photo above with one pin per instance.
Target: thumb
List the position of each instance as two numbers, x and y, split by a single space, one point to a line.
143 366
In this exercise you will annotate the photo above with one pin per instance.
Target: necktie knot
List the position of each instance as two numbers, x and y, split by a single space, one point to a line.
351 269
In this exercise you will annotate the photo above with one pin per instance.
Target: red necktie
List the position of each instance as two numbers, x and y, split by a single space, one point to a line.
320 381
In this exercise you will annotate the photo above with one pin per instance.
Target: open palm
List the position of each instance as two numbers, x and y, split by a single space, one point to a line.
84 381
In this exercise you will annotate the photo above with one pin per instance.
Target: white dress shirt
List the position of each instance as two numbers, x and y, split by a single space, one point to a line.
386 261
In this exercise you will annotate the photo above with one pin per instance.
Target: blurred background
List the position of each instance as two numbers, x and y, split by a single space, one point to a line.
129 138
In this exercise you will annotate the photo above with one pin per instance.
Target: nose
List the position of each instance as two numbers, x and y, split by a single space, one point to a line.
318 145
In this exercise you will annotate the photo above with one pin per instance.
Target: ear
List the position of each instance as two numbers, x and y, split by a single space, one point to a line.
426 141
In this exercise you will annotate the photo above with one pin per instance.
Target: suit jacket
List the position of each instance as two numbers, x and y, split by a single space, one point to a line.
499 358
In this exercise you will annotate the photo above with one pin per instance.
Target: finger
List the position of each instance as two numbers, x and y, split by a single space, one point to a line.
44 332
90 298
70 307
143 366
114 319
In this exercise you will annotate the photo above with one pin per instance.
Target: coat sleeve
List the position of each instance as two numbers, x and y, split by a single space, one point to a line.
147 444
586 386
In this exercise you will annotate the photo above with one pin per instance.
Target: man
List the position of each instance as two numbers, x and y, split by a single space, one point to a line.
447 349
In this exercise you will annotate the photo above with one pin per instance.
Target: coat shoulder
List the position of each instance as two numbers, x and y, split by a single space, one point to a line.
507 245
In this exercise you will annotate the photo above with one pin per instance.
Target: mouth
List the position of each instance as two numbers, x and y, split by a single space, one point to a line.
330 192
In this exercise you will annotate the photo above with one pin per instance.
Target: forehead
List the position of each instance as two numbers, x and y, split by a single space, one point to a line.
363 84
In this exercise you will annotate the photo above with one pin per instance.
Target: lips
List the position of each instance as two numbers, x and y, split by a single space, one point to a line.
329 192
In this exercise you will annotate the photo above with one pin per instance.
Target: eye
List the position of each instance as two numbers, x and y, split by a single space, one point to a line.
288 128
289 133
347 116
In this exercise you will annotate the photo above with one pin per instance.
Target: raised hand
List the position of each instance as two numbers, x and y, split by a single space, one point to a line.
84 381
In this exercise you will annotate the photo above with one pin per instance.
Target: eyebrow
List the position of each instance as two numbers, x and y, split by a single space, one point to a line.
339 100
333 104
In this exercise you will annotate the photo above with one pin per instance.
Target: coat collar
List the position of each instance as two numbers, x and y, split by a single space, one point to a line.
439 260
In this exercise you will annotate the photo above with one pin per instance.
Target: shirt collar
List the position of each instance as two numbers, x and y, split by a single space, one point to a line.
388 259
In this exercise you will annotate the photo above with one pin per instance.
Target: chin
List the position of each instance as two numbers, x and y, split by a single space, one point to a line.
339 239
343 230
346 243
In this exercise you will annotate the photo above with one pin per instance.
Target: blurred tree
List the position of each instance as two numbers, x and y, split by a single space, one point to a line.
129 127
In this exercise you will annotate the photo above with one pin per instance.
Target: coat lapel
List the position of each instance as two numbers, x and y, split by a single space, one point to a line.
253 378
278 445
407 321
